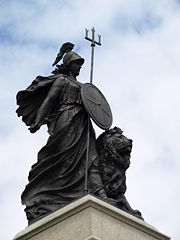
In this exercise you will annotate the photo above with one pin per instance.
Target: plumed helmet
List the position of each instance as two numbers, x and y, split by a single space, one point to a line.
72 56
67 54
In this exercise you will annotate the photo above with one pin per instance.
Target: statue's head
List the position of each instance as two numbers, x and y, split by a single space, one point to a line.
71 60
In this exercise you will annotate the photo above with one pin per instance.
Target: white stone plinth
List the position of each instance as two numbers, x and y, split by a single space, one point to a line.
90 219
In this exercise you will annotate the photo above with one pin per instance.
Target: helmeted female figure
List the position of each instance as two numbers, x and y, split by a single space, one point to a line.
58 176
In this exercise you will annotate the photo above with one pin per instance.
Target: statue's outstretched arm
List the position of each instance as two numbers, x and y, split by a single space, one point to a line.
47 105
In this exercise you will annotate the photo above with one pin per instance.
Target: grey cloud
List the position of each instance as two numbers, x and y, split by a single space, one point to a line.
141 24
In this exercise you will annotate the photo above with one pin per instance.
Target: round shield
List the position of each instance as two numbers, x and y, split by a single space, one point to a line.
96 105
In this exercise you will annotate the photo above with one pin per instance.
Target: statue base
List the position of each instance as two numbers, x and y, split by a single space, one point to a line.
89 218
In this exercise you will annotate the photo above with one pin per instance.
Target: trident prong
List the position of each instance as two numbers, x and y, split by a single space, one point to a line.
99 37
86 32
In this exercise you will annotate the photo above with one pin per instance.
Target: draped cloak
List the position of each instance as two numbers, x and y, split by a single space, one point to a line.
58 176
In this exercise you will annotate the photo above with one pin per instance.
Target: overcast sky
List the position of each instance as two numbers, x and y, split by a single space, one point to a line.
138 70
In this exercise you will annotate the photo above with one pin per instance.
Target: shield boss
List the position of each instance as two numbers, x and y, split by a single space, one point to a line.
96 105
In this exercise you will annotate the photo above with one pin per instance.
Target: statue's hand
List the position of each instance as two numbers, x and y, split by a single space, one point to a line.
34 127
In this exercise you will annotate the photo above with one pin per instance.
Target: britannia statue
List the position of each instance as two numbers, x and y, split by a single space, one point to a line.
73 162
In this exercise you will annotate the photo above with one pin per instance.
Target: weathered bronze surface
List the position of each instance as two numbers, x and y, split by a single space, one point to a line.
58 176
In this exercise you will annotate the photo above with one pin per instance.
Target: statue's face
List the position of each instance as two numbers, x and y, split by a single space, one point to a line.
75 67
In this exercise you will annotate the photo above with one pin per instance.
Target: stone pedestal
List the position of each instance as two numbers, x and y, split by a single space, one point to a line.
90 219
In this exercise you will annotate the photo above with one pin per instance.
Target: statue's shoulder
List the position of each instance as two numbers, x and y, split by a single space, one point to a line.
60 80
60 75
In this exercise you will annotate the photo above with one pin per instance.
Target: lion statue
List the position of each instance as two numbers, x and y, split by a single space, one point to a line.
114 151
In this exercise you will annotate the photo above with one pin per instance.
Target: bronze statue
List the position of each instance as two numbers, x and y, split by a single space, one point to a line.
58 177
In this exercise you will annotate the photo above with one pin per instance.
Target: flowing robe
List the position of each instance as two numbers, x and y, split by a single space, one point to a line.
58 176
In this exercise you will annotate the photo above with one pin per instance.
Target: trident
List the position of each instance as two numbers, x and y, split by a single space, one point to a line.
93 44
